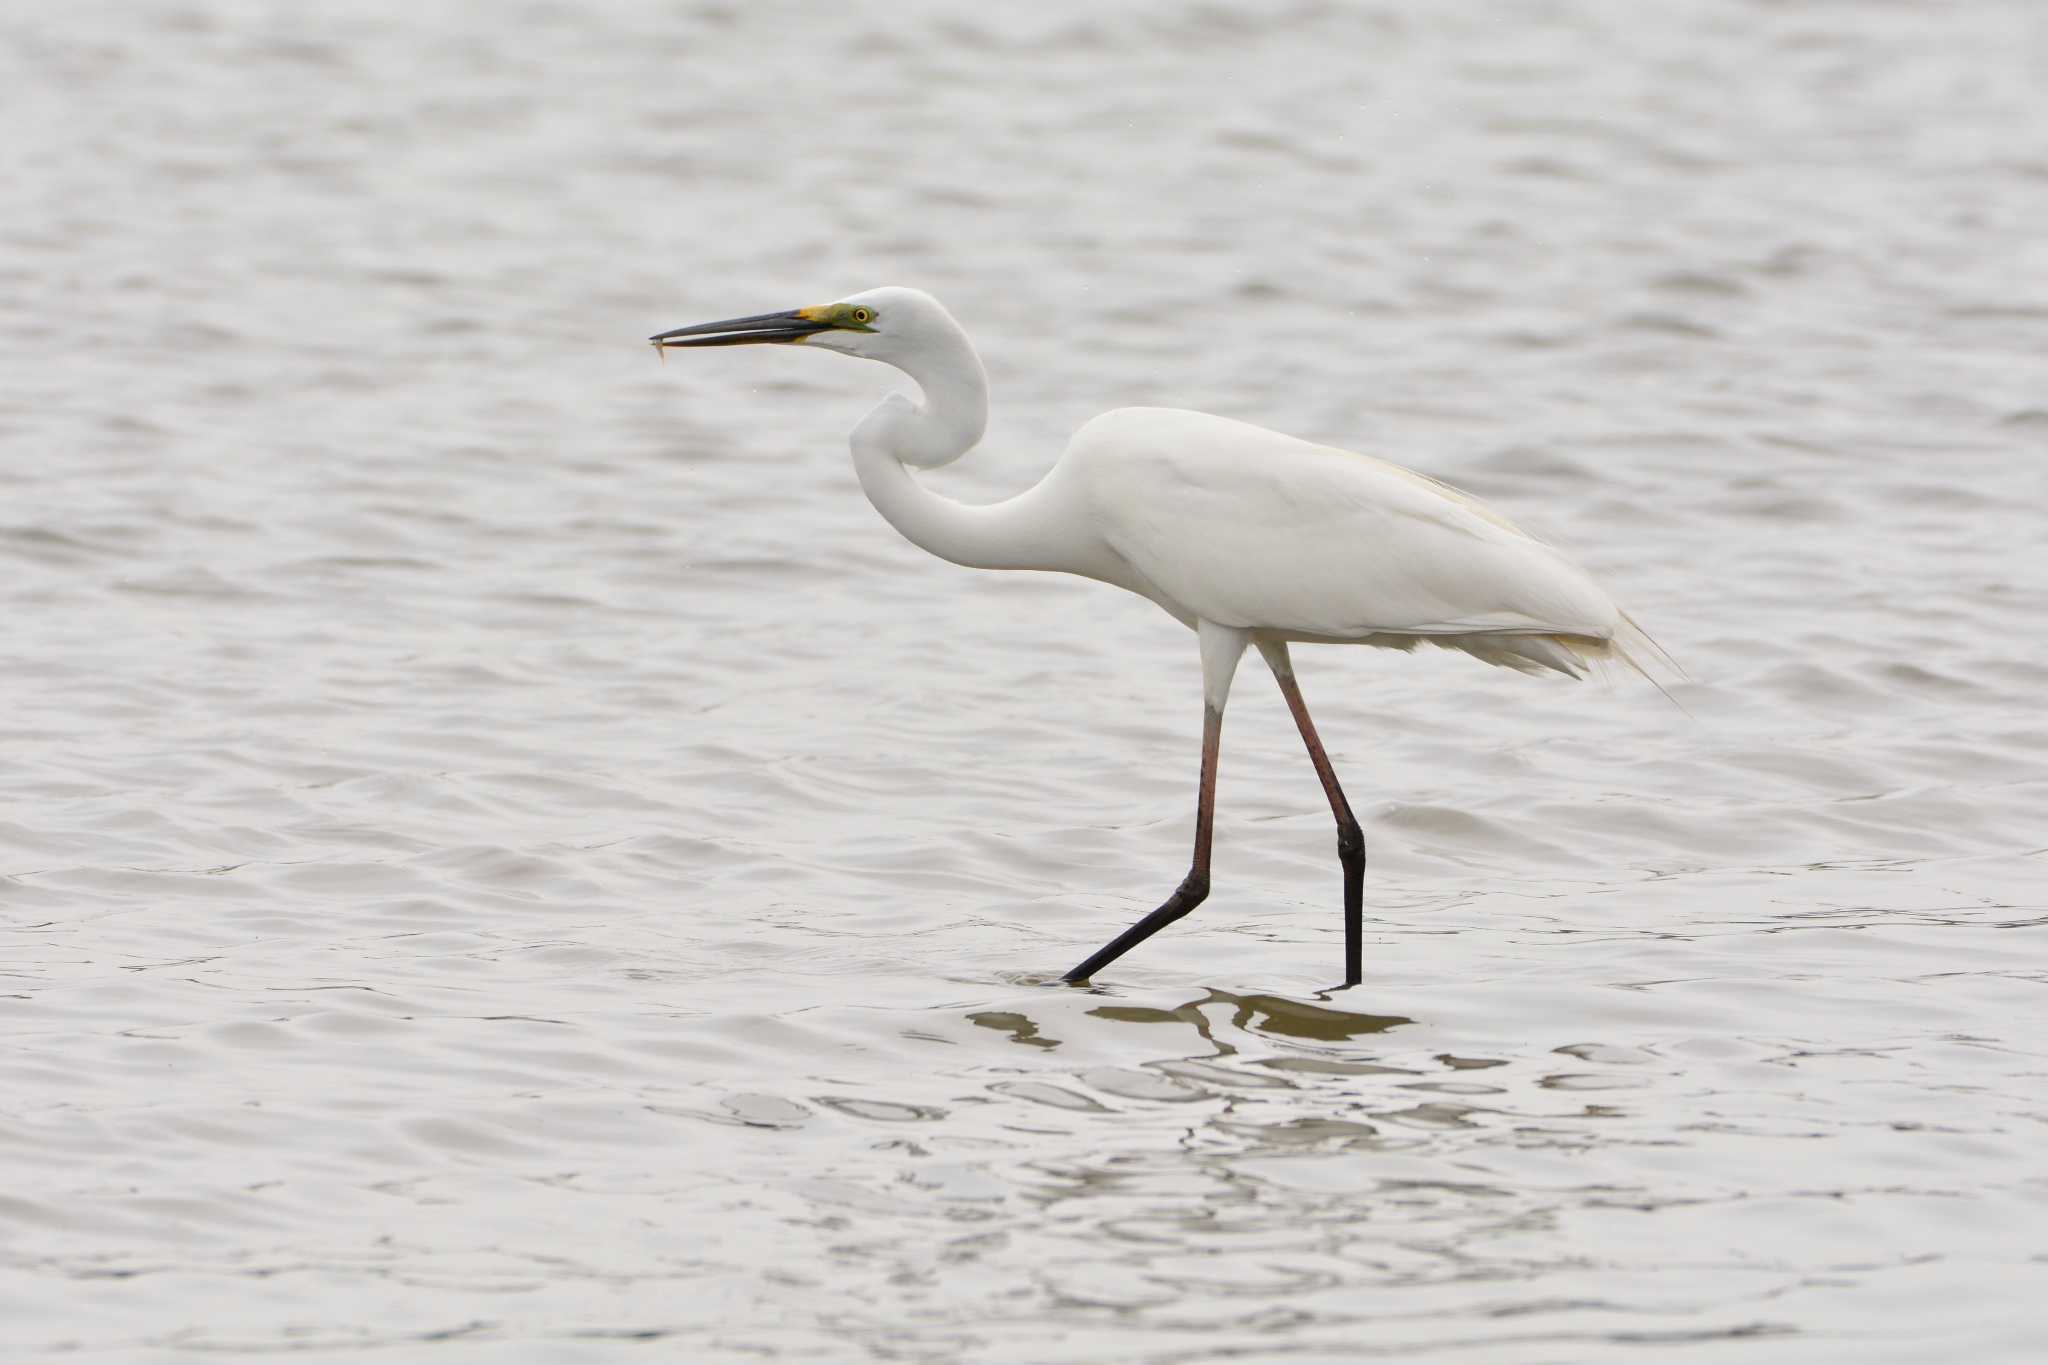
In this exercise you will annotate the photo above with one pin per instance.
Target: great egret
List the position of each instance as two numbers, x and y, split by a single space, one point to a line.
1246 536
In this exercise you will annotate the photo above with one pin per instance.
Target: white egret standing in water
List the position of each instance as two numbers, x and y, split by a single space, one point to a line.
1245 536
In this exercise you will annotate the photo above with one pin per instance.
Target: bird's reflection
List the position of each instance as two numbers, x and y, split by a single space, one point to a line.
1270 1016
1019 1026
1276 1014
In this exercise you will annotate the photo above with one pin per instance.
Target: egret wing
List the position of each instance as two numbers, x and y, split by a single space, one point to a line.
1248 527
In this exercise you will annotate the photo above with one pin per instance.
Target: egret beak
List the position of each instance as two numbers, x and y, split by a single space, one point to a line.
794 325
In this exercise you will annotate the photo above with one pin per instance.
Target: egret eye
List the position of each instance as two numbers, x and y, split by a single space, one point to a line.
863 315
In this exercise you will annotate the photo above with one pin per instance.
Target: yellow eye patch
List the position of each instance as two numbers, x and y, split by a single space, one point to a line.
847 317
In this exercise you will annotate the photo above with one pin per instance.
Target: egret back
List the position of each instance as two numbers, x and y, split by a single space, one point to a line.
1248 527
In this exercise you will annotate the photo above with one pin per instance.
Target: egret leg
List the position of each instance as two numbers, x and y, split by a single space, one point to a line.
1194 887
1222 646
1350 839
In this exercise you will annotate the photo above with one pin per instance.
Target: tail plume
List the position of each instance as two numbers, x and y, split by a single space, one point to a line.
1630 646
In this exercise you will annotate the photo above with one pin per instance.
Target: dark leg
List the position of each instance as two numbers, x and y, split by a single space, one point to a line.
1350 839
1195 886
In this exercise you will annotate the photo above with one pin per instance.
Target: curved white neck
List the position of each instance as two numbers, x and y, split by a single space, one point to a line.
945 426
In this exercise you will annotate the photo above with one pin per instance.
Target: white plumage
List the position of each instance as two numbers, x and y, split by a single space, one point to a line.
1247 536
1246 527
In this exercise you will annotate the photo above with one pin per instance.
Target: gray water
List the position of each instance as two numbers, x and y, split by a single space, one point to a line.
507 858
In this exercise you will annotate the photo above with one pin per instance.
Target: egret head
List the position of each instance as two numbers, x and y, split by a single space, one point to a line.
891 325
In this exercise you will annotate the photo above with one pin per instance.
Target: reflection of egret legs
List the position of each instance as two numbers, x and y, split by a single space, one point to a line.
1350 839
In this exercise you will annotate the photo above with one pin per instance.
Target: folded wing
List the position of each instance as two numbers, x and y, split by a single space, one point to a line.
1248 527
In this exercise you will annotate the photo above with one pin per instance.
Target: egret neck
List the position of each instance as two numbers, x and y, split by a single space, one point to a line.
901 434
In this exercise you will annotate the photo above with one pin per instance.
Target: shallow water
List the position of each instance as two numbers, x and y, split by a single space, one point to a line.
507 858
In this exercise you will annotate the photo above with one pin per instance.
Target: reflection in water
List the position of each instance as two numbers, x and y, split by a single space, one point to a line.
1258 1149
1299 1019
1271 1015
1018 1026
1253 1076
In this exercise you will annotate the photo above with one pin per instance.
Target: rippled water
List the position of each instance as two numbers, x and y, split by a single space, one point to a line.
508 858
